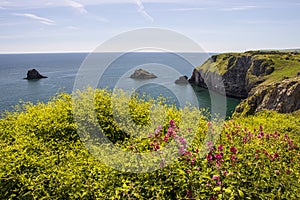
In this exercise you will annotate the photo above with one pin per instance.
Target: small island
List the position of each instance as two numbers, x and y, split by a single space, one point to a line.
142 74
182 80
34 74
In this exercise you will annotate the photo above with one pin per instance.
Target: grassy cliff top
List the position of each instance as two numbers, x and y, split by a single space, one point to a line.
286 64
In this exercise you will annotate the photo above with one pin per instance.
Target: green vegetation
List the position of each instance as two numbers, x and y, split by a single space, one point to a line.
42 157
286 64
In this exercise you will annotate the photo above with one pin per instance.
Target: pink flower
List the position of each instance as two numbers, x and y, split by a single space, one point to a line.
233 158
218 156
220 147
209 157
209 144
182 141
288 171
188 171
260 128
233 150
172 123
181 150
215 177
166 138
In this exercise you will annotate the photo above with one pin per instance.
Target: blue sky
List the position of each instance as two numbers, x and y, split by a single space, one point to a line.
82 25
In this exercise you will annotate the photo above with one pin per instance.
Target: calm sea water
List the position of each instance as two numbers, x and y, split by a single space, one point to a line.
62 70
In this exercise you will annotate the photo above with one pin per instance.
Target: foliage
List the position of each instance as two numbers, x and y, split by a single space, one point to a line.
42 157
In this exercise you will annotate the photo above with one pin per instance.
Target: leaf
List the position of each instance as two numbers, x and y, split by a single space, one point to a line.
241 193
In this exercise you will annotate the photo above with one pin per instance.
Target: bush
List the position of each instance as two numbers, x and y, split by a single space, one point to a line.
42 157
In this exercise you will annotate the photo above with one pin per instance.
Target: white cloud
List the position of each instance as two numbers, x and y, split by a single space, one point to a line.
77 6
239 8
35 17
142 11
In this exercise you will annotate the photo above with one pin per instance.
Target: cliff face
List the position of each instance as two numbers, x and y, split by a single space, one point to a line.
256 76
283 97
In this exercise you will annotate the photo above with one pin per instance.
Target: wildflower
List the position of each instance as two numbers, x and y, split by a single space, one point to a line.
166 138
209 124
209 157
256 156
188 171
149 135
172 123
220 147
198 169
197 150
233 150
260 128
218 156
181 150
215 177
288 171
182 140
245 139
233 158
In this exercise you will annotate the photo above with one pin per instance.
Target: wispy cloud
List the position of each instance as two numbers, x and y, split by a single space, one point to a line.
35 17
72 27
238 8
142 11
77 6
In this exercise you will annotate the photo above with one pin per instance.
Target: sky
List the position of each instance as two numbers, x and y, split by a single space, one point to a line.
28 26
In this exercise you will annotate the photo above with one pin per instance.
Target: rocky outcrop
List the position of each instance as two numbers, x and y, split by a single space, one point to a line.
34 74
283 97
239 73
266 80
182 80
142 74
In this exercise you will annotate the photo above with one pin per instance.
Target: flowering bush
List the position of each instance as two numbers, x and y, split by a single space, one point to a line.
255 157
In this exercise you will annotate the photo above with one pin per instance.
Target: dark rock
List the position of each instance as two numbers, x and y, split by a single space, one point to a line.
298 74
182 80
34 74
142 74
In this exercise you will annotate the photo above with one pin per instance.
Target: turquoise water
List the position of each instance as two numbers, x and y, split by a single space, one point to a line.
62 70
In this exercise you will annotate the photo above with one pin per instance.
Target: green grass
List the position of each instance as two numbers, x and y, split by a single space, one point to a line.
286 64
42 156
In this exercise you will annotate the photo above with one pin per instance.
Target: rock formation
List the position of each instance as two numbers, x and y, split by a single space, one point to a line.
263 79
283 97
142 74
34 74
182 80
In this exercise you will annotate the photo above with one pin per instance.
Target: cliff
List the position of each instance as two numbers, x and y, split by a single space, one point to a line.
266 80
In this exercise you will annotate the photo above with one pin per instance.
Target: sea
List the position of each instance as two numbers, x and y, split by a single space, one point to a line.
68 72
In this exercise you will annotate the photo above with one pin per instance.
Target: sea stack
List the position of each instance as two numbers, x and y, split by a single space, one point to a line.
34 74
182 80
142 74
